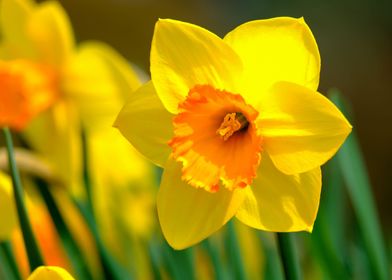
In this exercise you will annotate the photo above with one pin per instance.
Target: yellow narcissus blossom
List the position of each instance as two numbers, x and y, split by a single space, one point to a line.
87 83
91 85
50 273
237 125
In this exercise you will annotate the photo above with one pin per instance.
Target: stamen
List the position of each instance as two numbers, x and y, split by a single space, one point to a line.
232 122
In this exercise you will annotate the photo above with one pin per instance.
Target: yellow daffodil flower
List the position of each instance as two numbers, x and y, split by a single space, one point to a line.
80 86
238 126
50 273
90 84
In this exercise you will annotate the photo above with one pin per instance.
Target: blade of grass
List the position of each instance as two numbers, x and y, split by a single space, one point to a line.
220 273
179 264
359 188
7 261
33 252
272 268
75 255
155 260
233 252
328 238
112 269
288 255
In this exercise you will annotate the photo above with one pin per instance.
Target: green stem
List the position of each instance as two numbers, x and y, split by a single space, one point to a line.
215 260
288 255
6 250
357 182
86 173
71 247
33 253
234 254
111 269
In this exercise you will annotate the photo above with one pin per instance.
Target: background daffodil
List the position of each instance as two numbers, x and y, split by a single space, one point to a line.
50 272
246 128
89 83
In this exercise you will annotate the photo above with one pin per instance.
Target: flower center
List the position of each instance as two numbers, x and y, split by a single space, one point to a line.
232 123
216 139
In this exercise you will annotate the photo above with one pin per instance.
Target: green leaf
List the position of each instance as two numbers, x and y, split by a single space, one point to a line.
33 252
179 263
233 252
8 267
71 247
328 240
273 267
288 254
217 264
359 189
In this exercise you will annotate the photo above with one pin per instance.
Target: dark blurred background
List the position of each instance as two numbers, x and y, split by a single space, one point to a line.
354 38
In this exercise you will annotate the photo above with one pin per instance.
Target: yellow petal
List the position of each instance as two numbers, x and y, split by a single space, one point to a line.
146 124
188 215
123 74
272 50
7 207
13 17
55 134
301 128
280 202
51 31
97 81
184 55
50 273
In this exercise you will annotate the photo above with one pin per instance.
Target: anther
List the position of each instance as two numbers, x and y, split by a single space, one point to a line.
232 123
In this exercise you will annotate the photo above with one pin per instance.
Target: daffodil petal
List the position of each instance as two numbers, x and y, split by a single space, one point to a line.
97 80
188 215
124 74
279 202
13 17
272 50
50 30
184 55
50 273
147 124
56 135
301 128
9 222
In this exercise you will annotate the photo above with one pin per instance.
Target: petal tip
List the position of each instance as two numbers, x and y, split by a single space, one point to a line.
309 228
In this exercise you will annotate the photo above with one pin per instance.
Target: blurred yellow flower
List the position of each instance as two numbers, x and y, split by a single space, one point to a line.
92 83
88 84
7 208
50 273
248 131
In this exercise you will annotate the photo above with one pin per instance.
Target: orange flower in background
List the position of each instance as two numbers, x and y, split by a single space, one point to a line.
237 125
26 90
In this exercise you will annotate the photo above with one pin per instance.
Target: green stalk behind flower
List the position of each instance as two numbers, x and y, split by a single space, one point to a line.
33 252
